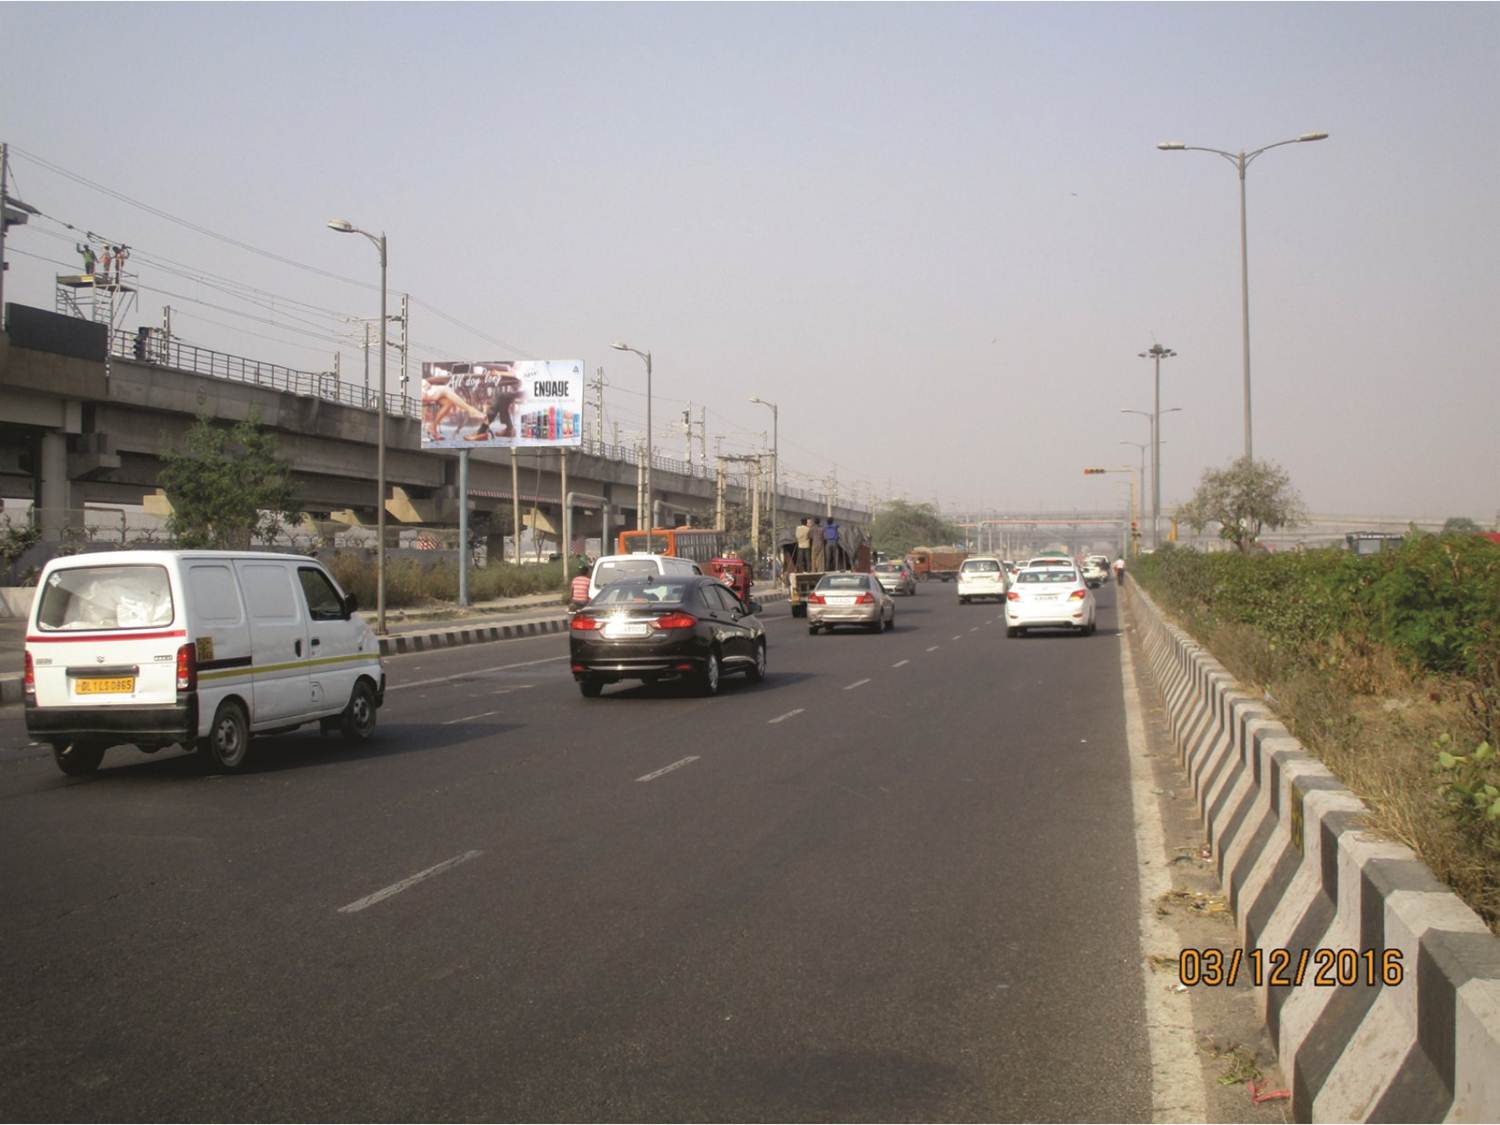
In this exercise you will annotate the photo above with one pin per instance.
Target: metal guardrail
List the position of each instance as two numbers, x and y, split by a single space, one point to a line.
156 350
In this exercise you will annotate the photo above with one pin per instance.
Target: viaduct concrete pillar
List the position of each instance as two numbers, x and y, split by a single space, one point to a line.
54 490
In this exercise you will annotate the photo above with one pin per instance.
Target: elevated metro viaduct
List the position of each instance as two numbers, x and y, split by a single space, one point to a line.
79 425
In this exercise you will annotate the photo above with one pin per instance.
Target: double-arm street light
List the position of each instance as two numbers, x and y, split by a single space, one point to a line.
1156 353
775 467
644 518
344 226
1154 418
1241 160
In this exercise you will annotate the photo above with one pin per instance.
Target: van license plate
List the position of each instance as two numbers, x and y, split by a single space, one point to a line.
120 685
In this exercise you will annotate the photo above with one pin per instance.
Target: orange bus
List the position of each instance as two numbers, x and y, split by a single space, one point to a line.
696 543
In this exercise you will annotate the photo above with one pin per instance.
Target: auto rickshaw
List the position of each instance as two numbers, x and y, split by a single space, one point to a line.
734 573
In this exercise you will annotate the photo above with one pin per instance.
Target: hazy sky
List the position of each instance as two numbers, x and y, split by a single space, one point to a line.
937 235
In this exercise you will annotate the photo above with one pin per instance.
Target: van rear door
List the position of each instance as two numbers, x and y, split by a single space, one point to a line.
280 687
105 635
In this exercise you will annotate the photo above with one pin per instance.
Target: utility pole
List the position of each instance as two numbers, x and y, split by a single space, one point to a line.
703 440
687 436
405 337
719 495
1157 353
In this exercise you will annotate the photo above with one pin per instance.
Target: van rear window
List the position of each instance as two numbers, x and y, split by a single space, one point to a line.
620 569
105 597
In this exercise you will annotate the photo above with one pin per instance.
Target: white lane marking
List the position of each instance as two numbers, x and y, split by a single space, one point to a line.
975 629
1177 1082
788 715
473 672
899 663
654 774
934 648
856 683
956 637
411 880
468 718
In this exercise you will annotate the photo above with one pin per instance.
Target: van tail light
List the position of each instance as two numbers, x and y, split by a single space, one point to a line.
28 683
815 599
1012 597
1078 595
582 623
675 621
865 599
187 668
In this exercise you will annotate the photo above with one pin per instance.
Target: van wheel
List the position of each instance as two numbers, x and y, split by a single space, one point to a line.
228 740
359 717
78 759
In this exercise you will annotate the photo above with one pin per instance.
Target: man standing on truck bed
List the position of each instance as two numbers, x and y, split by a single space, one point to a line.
831 544
804 545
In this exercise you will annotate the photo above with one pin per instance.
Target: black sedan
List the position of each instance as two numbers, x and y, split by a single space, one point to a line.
666 628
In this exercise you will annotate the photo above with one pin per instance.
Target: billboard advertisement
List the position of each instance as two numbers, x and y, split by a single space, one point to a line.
525 403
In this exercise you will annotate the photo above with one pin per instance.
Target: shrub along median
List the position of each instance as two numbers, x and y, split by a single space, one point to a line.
412 583
1386 666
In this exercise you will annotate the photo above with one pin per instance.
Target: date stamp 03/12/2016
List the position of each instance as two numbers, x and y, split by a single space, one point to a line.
1290 968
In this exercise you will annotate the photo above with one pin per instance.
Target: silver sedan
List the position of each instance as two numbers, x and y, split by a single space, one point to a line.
847 598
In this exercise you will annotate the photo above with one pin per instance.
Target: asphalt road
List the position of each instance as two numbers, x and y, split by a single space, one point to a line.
896 882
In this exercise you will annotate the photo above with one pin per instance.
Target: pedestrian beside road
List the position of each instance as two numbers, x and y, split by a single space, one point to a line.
1119 569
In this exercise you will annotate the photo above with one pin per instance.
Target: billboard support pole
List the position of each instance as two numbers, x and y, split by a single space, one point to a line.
463 527
515 502
567 522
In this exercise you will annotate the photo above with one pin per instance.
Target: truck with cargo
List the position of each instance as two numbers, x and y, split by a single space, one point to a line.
941 563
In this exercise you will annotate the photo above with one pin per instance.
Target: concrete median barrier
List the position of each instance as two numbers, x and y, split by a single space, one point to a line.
1418 1042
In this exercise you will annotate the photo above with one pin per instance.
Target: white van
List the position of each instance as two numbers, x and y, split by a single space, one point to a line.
612 568
196 648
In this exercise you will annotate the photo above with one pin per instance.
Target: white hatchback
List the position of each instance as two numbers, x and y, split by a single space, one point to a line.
983 576
1049 597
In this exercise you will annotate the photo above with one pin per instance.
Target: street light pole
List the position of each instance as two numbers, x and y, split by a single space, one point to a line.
646 517
344 226
1156 353
775 468
1241 161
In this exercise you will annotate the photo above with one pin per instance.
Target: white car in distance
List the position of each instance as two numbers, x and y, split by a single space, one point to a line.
982 576
1052 596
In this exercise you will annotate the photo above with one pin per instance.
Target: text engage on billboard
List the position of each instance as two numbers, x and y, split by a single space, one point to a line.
506 403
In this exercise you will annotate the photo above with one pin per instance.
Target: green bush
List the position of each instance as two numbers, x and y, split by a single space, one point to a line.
1435 600
1470 788
412 583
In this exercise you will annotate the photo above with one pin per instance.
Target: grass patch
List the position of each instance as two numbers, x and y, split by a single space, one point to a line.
1379 666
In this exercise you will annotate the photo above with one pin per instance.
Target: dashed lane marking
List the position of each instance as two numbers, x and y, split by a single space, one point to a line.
474 672
468 718
788 715
956 637
410 881
934 648
856 683
654 774
899 663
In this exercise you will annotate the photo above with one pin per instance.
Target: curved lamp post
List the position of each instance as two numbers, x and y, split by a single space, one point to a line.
344 226
1241 160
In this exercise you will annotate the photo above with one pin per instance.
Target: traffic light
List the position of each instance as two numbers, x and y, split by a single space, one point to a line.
1090 472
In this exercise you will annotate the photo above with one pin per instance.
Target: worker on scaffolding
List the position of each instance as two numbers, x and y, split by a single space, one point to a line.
87 250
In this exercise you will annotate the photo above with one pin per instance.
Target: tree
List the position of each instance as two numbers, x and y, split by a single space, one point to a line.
900 525
227 487
1459 525
1245 499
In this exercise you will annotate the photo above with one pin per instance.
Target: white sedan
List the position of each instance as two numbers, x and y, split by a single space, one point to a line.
981 577
1049 597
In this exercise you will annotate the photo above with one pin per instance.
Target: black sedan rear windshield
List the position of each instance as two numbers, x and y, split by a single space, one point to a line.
638 592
